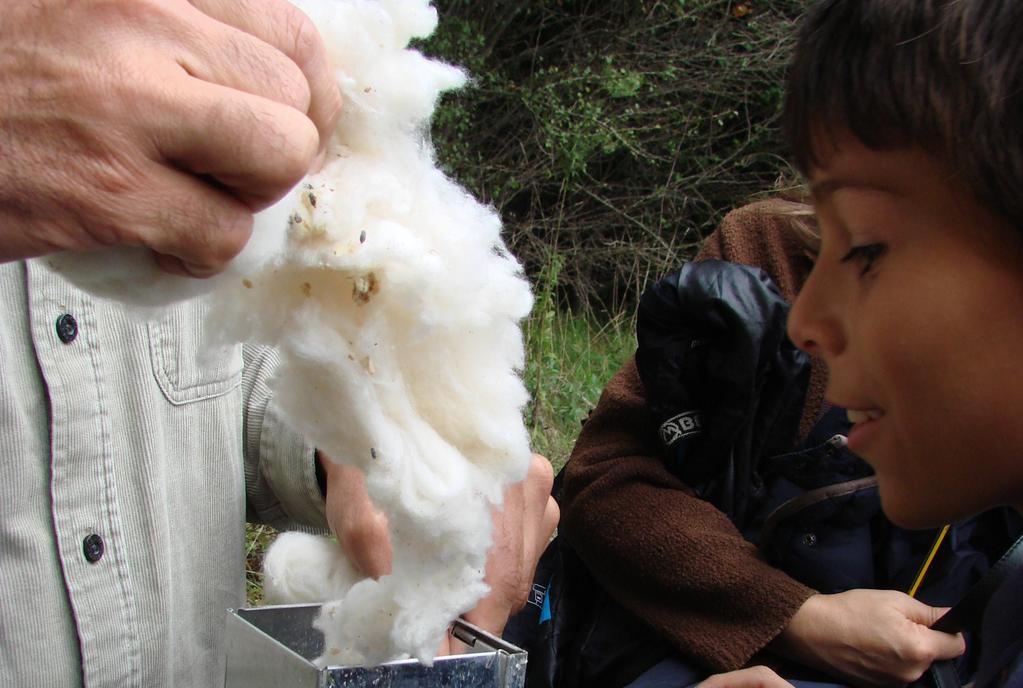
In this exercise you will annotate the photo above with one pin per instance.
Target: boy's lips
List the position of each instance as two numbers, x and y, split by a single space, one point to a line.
863 415
865 423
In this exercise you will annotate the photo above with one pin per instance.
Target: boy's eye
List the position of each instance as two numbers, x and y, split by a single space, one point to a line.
865 255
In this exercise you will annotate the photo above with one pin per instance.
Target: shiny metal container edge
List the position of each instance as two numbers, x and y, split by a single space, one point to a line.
274 647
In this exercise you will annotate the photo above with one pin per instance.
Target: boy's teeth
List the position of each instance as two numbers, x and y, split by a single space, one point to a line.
863 416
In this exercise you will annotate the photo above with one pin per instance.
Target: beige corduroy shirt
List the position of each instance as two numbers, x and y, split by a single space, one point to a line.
128 464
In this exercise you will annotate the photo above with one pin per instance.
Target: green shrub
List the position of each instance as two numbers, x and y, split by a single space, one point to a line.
615 133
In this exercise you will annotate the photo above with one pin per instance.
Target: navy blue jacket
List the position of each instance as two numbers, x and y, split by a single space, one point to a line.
727 387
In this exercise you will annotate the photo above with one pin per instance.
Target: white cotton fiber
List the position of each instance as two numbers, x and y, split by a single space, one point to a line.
302 568
396 309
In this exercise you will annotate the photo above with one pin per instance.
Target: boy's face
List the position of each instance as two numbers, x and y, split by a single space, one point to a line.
916 305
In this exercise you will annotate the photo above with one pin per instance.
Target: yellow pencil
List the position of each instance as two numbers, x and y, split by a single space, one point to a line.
927 562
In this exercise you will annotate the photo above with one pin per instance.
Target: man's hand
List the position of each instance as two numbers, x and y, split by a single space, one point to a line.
360 527
158 123
871 637
522 528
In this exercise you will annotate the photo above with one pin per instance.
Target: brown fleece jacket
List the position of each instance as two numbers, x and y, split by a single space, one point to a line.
673 560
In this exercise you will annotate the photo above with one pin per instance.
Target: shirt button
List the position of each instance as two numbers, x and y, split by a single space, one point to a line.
67 328
92 546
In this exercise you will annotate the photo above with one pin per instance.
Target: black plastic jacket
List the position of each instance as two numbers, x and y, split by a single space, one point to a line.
721 376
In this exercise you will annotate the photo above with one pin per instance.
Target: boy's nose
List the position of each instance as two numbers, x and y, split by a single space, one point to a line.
812 325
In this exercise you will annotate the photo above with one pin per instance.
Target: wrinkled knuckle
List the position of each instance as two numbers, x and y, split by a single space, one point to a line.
282 80
306 44
114 175
294 91
112 218
297 151
221 235
99 231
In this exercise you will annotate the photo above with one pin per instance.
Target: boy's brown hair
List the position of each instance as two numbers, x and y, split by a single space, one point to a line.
944 75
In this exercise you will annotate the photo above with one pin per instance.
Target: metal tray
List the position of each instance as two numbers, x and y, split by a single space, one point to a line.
273 647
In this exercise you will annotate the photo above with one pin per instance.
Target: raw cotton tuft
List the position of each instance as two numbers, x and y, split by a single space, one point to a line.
306 569
396 307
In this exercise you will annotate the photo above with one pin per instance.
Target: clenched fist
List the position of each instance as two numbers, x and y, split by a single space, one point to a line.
157 123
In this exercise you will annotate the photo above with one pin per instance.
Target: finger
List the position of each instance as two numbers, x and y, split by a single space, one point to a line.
360 527
947 645
539 478
921 613
522 528
368 546
284 26
753 677
935 644
222 54
194 228
258 149
551 516
176 266
934 614
507 537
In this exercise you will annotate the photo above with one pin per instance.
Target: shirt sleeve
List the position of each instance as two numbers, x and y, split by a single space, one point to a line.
280 465
670 558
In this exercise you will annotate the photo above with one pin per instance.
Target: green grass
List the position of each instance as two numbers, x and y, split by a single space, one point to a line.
568 360
257 538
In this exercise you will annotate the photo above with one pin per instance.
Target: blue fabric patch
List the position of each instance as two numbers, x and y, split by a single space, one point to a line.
545 611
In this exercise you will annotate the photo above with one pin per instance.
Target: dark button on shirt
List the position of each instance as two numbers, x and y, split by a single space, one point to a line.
67 328
92 546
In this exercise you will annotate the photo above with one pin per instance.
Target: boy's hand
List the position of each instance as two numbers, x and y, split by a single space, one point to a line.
753 677
160 123
871 637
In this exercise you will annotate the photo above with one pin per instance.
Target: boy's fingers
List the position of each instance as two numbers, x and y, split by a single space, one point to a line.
933 614
255 148
942 645
752 677
921 613
947 645
286 28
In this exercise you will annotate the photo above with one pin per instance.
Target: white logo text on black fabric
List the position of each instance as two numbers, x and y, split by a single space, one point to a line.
683 425
536 595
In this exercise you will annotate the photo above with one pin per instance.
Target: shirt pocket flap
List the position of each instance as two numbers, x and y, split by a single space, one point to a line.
186 368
